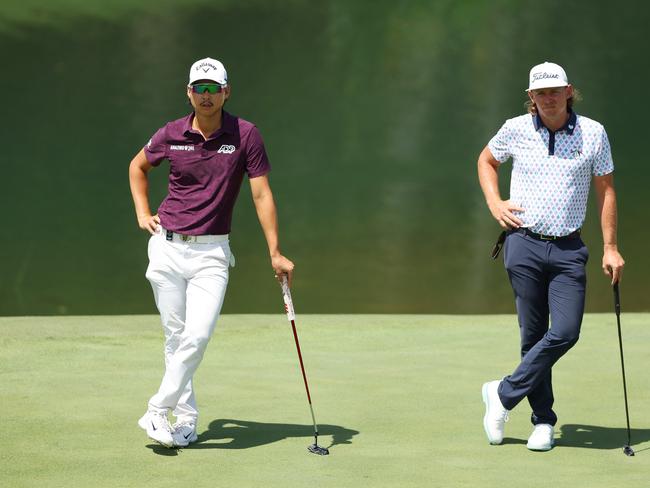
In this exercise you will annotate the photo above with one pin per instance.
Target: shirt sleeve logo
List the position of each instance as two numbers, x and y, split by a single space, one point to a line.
226 149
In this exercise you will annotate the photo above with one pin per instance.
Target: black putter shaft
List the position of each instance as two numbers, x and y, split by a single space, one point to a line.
291 316
617 307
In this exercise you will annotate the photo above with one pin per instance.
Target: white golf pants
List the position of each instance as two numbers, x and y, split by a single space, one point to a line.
189 282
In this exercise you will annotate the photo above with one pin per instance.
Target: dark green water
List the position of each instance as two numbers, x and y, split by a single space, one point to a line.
373 114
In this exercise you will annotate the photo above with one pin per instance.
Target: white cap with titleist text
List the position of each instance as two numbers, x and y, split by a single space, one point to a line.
208 69
547 75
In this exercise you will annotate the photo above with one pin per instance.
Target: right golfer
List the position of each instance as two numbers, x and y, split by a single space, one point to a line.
555 155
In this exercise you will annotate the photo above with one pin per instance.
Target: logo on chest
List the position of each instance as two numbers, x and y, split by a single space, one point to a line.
226 149
173 147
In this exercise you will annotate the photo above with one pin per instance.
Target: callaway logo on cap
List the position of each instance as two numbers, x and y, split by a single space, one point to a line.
208 69
547 75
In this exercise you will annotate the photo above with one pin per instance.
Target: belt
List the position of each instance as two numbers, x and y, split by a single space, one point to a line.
543 237
205 239
523 230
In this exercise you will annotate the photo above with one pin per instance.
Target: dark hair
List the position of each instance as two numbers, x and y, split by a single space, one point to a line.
531 108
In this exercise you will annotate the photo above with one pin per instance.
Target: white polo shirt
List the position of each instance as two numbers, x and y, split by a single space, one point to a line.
552 171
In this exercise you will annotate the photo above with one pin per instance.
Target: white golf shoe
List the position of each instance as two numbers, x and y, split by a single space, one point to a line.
495 413
184 434
542 438
157 426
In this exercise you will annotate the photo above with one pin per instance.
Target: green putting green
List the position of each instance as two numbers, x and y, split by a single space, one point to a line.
398 399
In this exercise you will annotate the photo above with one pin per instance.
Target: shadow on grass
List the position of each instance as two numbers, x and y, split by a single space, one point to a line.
244 434
596 437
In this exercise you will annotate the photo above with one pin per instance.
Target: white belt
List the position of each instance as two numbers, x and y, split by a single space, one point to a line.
205 239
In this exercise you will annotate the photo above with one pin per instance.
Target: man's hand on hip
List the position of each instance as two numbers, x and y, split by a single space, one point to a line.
502 211
149 223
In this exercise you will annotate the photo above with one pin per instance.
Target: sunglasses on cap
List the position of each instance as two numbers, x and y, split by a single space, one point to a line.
211 88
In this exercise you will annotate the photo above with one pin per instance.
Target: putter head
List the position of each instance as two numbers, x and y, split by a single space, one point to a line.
628 451
316 449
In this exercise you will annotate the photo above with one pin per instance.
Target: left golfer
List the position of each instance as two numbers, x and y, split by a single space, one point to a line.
209 151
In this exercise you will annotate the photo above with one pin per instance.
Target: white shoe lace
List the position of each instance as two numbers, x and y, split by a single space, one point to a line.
502 418
179 427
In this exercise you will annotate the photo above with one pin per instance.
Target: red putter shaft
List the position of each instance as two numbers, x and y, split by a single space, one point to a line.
291 316
302 366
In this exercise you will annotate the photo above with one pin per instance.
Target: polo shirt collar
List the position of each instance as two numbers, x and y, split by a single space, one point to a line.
568 127
228 124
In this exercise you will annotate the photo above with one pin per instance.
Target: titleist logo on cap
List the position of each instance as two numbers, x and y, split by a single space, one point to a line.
544 75
547 75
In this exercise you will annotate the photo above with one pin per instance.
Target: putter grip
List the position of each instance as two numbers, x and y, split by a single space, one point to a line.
288 303
617 299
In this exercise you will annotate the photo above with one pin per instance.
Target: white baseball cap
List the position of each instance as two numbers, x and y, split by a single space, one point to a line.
547 75
208 69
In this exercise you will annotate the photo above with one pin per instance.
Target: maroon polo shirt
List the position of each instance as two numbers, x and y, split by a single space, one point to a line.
205 175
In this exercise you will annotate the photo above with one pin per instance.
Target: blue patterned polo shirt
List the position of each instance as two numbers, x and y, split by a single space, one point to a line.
552 171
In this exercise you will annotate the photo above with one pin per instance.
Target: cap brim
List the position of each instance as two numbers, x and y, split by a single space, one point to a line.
546 85
221 82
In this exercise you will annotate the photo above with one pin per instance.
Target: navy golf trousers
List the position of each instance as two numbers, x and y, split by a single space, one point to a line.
548 278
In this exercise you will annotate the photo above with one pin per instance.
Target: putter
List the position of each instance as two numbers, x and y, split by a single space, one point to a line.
291 316
617 307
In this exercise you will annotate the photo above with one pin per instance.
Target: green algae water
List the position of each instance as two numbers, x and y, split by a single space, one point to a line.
373 114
